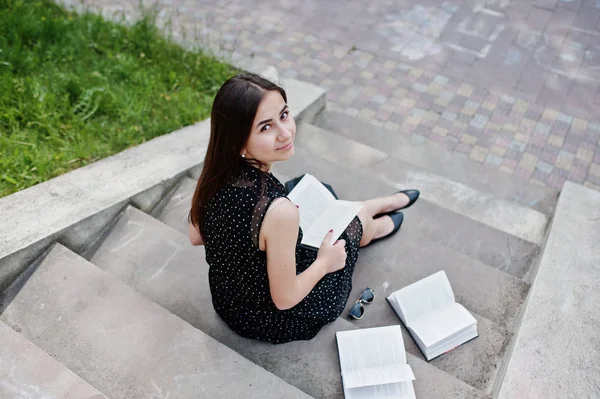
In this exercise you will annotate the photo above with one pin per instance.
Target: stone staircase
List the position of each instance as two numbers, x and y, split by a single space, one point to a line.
134 317
32 373
123 344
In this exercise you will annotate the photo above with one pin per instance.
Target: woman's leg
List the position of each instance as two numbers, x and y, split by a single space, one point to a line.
375 228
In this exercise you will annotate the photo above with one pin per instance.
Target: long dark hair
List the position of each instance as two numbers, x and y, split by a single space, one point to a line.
232 114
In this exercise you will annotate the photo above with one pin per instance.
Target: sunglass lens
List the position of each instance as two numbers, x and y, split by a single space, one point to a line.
367 296
357 311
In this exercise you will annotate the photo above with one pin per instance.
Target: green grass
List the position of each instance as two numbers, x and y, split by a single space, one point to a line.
77 88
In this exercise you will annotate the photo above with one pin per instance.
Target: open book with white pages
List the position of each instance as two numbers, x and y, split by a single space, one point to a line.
373 364
320 211
428 310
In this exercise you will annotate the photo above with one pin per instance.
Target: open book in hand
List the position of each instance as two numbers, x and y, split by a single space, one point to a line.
428 310
320 211
373 364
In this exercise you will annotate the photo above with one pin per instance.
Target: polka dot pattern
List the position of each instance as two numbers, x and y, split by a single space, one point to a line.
238 268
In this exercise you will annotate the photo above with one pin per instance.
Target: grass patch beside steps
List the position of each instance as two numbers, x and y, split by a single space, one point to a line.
78 88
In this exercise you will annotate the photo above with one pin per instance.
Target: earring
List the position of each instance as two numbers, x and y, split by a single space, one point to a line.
243 155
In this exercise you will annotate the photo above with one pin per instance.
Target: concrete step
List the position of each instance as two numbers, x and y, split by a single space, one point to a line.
476 363
159 262
124 344
505 215
442 162
439 225
557 348
26 371
410 257
176 208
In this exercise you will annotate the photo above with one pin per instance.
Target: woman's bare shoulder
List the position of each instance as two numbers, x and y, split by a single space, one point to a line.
281 222
282 207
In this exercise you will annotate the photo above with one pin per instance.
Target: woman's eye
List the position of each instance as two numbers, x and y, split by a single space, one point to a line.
265 128
284 115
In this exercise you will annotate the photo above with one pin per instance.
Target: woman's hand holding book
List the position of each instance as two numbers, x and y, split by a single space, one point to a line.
332 256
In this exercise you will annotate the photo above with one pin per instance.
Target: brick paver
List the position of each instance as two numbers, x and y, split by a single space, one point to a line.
513 84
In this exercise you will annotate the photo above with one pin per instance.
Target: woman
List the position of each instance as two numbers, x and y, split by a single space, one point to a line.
264 285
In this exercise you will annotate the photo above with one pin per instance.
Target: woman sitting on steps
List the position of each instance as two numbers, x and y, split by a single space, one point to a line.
264 285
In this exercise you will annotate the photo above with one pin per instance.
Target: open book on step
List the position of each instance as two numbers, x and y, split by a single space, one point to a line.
320 211
373 364
428 310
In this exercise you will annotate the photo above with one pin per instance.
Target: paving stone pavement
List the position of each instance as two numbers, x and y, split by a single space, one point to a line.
514 84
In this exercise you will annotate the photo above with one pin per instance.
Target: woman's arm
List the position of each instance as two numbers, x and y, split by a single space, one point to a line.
195 237
279 232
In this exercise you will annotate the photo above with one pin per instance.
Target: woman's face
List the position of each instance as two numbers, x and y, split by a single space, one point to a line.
273 131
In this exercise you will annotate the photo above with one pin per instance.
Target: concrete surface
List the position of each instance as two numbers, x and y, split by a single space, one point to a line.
26 371
124 344
148 199
508 216
81 236
558 346
86 191
409 257
442 162
177 206
337 148
159 262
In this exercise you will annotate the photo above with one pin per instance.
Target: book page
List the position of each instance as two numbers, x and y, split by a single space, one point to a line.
337 216
376 358
393 301
378 376
312 199
370 348
436 327
459 339
398 390
424 296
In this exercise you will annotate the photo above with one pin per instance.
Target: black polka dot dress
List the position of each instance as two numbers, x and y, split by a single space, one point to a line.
238 268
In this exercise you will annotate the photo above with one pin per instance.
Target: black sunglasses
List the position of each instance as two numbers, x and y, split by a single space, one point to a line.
358 310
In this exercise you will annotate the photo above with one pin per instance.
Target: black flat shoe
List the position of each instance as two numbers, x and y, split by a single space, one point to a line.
413 196
397 218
